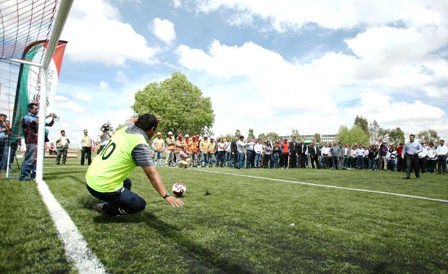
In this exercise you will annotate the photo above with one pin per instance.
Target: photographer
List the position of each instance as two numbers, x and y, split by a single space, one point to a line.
104 136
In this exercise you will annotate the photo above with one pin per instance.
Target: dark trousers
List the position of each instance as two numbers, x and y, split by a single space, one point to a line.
284 160
314 161
441 163
86 152
412 161
293 160
120 202
400 164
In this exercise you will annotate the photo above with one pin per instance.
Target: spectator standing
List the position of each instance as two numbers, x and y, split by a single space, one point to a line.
442 151
285 154
62 144
335 152
204 147
276 154
158 145
258 149
313 150
301 154
241 147
250 154
171 147
221 152
423 158
4 132
432 158
410 154
86 148
401 164
293 153
267 156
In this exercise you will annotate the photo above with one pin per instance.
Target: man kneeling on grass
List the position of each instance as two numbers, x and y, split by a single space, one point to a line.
107 176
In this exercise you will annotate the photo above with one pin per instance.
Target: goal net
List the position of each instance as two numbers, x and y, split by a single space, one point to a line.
30 61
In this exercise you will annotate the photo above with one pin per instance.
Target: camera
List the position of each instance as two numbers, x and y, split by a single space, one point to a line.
105 127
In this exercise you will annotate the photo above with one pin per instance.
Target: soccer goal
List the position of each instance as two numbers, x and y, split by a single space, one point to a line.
30 60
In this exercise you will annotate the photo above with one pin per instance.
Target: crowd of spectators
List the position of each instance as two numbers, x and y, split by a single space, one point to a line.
240 153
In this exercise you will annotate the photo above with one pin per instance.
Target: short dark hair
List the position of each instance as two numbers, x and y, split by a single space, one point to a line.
413 135
31 105
147 121
62 131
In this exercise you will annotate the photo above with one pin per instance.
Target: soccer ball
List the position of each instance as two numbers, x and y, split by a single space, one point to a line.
179 189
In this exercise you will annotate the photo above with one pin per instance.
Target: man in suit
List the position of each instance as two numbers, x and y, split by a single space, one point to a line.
293 153
313 151
301 152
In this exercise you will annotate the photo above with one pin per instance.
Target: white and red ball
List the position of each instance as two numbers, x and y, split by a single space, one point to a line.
179 189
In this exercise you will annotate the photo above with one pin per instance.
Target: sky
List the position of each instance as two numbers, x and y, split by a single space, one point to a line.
270 66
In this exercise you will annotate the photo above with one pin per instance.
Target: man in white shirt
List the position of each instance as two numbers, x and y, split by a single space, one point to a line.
442 150
61 148
410 154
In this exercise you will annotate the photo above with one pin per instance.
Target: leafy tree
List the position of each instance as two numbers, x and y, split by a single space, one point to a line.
317 137
262 136
295 133
362 123
396 136
237 133
272 136
355 135
428 136
250 134
374 128
180 104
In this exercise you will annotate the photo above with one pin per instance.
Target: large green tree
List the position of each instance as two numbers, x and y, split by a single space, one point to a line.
428 136
362 123
355 135
179 103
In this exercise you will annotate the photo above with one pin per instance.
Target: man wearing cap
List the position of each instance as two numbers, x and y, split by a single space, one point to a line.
194 149
184 159
171 145
204 147
180 143
158 145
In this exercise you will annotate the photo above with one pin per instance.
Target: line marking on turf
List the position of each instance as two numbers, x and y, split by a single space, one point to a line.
76 248
327 186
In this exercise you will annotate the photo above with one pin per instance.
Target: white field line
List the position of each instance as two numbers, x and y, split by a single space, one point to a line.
76 248
327 186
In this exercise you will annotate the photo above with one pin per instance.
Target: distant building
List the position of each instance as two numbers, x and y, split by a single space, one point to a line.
324 138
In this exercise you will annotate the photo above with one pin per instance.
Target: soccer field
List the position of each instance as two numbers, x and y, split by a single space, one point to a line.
238 221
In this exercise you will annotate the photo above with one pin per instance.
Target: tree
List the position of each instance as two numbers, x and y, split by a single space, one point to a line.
374 128
317 137
355 135
396 136
428 136
270 136
295 133
250 134
362 123
179 103
237 133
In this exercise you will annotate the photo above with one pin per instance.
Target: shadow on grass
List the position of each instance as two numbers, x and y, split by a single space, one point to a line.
201 259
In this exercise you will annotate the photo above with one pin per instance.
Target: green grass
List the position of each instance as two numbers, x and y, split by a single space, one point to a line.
238 224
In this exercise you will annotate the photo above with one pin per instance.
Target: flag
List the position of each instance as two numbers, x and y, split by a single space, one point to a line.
31 81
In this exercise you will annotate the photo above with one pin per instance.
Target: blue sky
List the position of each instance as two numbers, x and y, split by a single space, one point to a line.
266 65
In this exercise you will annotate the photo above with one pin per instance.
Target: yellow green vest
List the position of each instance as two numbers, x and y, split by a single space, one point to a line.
114 164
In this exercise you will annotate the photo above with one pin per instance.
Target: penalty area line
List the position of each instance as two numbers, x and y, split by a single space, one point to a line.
75 245
327 186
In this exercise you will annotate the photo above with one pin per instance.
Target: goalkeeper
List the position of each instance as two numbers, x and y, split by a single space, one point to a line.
107 176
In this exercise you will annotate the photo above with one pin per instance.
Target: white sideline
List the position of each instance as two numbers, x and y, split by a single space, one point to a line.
327 186
76 248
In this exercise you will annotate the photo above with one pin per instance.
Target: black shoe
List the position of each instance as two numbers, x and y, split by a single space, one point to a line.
407 178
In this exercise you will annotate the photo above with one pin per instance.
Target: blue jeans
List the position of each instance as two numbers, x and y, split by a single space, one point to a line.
228 159
29 163
120 202
158 160
241 158
204 159
257 160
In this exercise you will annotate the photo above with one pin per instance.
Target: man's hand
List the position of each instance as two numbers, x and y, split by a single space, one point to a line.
174 202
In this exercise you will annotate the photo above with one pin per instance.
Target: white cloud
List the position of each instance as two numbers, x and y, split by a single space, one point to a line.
121 77
294 14
63 103
95 34
164 30
82 96
104 85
